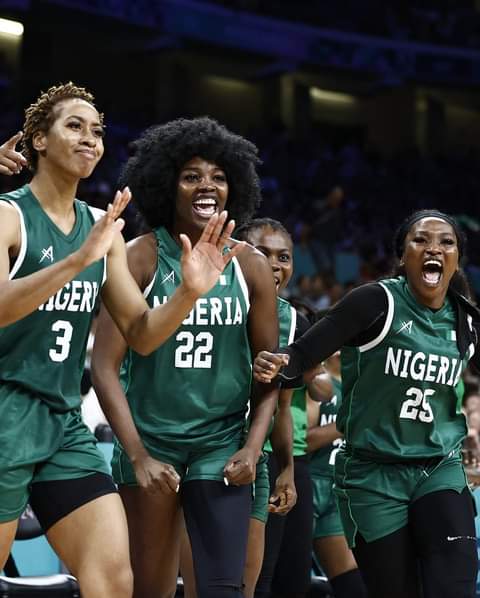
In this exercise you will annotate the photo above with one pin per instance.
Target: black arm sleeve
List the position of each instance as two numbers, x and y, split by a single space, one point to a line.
355 320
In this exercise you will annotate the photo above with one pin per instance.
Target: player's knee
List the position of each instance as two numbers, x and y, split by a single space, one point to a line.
452 571
112 577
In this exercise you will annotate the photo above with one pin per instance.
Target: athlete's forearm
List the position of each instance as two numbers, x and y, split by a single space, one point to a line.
22 296
282 437
152 328
321 436
263 404
114 404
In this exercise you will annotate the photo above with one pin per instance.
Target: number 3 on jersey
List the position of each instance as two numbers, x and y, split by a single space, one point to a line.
62 341
418 407
194 350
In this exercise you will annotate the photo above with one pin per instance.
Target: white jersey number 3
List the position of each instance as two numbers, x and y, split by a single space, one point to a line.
62 341
194 350
418 407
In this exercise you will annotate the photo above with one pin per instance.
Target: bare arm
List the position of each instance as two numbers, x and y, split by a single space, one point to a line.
282 431
146 329
320 436
320 387
284 494
263 332
108 352
22 296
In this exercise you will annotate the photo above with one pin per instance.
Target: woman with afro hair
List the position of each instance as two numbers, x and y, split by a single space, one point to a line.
57 257
179 414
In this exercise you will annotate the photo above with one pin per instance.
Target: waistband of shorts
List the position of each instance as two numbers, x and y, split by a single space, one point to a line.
374 457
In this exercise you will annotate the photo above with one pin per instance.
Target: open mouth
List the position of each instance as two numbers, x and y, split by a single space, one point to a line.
432 272
205 207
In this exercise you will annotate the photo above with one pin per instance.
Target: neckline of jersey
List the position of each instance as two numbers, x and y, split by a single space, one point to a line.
76 227
428 311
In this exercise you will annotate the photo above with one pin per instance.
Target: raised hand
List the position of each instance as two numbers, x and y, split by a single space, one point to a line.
267 365
202 265
11 161
102 234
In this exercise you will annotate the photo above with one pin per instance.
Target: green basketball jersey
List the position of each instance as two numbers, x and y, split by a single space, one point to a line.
45 351
323 459
195 387
287 322
399 390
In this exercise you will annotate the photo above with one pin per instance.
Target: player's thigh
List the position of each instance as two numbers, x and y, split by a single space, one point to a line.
186 566
92 541
334 555
255 550
154 525
7 535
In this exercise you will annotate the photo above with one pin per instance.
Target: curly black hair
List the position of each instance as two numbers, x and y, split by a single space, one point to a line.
162 151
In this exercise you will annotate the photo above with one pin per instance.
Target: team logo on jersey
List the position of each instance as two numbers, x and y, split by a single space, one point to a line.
170 277
406 326
47 253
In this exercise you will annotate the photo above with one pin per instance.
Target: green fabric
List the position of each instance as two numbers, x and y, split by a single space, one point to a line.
373 498
326 517
191 463
193 390
261 491
37 445
299 418
45 351
399 392
322 460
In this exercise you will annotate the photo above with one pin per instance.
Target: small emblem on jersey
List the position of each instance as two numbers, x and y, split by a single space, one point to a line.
223 280
170 277
406 326
47 254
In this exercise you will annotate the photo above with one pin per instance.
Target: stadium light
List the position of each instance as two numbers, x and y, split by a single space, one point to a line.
11 27
332 97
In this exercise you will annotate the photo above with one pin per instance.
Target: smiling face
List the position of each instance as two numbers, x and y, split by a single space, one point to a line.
430 258
278 249
74 142
202 191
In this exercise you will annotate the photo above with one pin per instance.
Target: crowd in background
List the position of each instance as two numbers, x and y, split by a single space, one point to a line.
447 23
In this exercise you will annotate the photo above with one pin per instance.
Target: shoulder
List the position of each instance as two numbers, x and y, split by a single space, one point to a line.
254 266
142 258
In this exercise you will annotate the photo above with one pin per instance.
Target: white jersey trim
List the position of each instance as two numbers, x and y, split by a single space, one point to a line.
242 281
148 288
97 213
293 325
23 242
388 322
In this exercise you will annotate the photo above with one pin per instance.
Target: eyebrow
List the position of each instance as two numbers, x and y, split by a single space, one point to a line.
84 120
282 249
423 231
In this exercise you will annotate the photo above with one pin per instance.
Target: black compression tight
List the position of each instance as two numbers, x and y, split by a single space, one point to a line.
288 540
217 519
435 556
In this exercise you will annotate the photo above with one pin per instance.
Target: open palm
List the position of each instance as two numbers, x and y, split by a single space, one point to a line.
202 265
